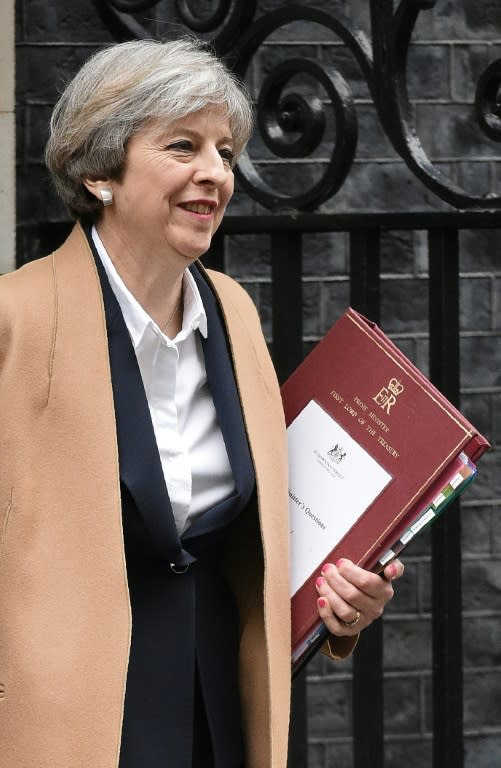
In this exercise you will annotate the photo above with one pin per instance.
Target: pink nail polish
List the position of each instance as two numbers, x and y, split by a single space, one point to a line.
322 602
393 570
339 562
320 581
325 568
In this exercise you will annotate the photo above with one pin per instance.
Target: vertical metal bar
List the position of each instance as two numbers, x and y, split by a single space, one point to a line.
364 272
448 746
287 301
298 733
368 713
287 352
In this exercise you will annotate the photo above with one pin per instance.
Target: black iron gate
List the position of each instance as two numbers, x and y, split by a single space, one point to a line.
285 232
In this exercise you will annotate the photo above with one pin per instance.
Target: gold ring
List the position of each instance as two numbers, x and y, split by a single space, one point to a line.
353 621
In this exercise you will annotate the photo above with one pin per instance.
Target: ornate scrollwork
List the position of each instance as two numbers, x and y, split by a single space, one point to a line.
132 6
203 22
116 15
292 123
488 101
391 33
221 24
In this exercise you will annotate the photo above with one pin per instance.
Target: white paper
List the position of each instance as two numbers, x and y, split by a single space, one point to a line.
332 481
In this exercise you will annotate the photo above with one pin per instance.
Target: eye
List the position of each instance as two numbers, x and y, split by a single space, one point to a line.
183 145
227 155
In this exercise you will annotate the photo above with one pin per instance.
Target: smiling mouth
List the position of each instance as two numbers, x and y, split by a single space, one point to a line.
198 208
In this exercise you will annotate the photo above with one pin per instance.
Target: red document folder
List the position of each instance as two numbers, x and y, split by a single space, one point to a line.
391 412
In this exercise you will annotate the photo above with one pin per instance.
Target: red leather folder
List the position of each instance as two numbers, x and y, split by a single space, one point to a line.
374 393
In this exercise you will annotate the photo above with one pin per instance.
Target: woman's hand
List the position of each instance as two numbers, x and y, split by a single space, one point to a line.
350 598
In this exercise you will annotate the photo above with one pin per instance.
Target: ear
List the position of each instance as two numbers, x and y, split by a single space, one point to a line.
95 186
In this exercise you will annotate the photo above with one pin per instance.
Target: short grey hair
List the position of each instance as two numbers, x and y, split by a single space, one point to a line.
120 89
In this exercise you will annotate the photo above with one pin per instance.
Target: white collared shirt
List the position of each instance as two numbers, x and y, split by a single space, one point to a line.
191 446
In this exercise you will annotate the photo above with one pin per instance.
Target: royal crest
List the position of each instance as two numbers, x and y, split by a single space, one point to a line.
337 454
387 396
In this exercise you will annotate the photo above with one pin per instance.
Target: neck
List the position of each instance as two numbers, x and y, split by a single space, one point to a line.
174 322
155 282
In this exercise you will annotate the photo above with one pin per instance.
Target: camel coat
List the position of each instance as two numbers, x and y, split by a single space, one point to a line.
65 618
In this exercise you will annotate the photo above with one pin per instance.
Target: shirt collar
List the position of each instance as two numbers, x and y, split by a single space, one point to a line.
137 320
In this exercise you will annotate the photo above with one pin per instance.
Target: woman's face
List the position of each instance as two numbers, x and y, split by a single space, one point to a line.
174 190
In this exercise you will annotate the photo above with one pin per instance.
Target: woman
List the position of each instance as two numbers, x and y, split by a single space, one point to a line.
144 609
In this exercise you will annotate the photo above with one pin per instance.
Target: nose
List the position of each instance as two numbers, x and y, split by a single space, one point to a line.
210 168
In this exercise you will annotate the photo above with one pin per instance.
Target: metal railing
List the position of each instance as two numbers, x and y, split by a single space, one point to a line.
285 244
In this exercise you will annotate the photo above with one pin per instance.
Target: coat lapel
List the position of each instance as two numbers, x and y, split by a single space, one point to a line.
222 386
140 466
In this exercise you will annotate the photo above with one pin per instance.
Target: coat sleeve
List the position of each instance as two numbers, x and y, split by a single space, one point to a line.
338 648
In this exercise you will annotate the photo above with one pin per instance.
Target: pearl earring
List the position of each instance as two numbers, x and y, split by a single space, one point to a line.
106 195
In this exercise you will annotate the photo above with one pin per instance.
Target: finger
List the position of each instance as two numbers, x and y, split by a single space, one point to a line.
354 614
337 626
349 588
351 598
349 580
394 570
346 611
